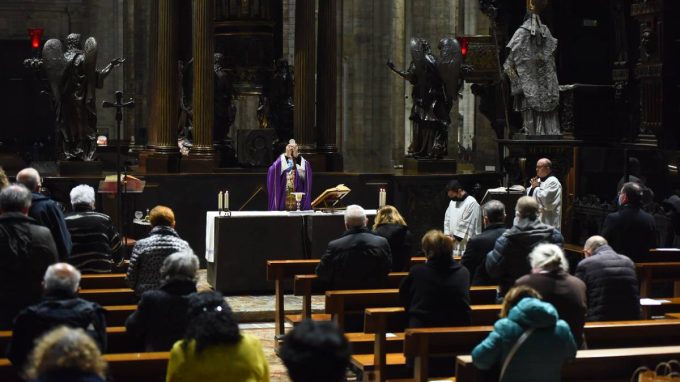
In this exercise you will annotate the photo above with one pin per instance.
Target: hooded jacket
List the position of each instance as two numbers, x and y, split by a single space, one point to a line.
541 356
509 259
26 250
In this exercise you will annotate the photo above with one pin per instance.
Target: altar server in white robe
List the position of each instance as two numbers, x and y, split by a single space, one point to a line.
463 217
547 190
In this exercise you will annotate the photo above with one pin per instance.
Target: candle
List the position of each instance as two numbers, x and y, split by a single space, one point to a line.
219 201
226 200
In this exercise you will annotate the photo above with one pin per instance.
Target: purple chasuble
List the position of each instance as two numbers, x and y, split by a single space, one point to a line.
276 184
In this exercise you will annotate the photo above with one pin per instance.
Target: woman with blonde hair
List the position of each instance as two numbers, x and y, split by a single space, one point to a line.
529 342
4 181
389 224
66 355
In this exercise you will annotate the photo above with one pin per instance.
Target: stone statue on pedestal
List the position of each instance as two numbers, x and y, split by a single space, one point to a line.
276 107
530 67
73 77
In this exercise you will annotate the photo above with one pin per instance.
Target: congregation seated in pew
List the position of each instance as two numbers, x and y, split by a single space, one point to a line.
148 254
161 317
359 259
59 306
550 278
213 346
437 293
391 225
529 342
474 257
66 354
315 351
96 244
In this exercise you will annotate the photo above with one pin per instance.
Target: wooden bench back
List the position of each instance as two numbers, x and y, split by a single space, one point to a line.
103 281
118 341
589 365
110 296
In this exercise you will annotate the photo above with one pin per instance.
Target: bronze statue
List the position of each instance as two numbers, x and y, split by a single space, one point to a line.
73 78
436 82
276 107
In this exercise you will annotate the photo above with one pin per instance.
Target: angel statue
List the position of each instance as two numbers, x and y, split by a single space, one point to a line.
73 77
436 82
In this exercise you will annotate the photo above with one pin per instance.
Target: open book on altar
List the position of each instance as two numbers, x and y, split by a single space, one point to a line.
130 185
330 197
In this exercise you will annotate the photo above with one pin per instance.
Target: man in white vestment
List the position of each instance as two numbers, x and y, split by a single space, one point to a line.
463 217
548 192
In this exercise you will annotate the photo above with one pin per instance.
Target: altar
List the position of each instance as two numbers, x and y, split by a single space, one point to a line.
238 246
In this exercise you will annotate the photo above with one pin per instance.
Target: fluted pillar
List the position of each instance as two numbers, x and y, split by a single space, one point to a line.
204 82
305 57
326 77
162 154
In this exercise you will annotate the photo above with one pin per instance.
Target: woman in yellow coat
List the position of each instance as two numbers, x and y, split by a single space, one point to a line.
213 349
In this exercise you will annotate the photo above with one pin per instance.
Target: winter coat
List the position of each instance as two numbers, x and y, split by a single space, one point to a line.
612 286
48 213
161 317
437 294
631 232
541 356
56 309
359 259
26 250
148 254
509 259
474 256
400 240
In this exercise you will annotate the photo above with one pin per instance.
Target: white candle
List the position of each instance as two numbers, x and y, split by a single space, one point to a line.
219 201
226 200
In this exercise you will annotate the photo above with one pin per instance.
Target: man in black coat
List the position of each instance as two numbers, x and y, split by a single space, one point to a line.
359 259
630 231
162 315
59 306
46 212
473 259
611 282
26 250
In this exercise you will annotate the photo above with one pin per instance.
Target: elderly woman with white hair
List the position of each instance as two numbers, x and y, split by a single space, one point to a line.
96 243
161 316
550 277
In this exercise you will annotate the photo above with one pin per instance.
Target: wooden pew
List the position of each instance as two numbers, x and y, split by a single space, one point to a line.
128 367
340 303
103 281
282 271
117 314
590 365
380 321
109 296
671 305
658 271
118 340
421 344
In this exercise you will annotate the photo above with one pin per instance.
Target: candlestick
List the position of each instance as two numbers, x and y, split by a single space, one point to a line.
219 201
226 200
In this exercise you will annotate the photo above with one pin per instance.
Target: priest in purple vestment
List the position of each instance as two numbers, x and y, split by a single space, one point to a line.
289 173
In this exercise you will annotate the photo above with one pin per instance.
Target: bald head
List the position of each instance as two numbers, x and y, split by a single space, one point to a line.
61 277
593 243
30 178
543 167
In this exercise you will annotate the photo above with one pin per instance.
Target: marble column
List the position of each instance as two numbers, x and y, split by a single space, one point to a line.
204 77
162 154
326 76
305 62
